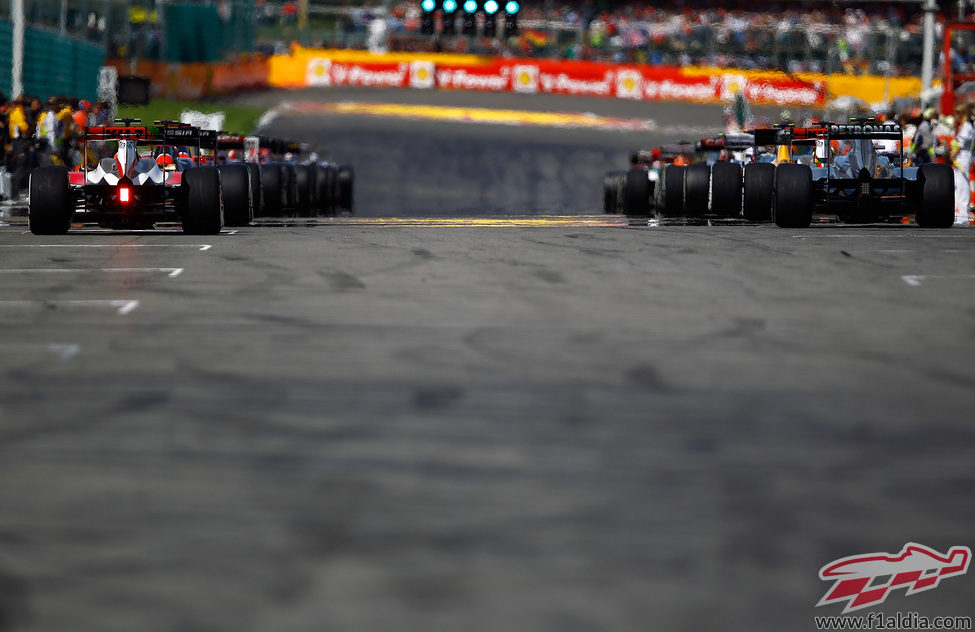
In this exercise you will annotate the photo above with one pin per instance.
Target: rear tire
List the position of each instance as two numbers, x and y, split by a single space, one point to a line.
272 190
758 184
636 192
613 185
936 196
726 190
793 196
51 204
670 192
697 188
235 184
345 185
201 205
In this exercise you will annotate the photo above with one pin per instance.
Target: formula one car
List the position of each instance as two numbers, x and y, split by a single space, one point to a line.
857 174
133 176
287 185
709 187
632 192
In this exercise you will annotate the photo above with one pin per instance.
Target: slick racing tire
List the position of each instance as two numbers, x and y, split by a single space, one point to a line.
257 198
613 185
636 193
272 190
669 193
793 196
936 196
345 185
697 188
201 206
726 190
325 188
50 203
289 181
235 183
759 180
304 189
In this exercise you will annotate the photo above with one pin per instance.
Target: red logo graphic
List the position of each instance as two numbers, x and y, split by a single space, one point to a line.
866 580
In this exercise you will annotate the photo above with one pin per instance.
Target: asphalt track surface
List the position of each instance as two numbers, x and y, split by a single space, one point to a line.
551 423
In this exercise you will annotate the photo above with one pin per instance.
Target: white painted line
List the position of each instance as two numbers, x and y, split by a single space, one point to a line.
171 272
915 280
199 246
124 307
64 351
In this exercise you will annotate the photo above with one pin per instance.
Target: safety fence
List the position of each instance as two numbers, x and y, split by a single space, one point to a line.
53 64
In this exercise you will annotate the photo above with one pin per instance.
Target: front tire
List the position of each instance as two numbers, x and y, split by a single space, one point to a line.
272 190
726 190
51 204
936 199
257 202
201 204
793 196
345 184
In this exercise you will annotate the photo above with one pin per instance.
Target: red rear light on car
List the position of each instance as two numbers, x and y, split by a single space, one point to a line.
123 195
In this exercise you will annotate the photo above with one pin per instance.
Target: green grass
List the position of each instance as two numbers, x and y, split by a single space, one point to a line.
239 119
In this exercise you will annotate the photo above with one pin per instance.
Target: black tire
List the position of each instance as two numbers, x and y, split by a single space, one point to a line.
289 181
613 191
697 188
793 196
758 184
670 192
345 185
726 190
51 203
325 186
304 188
235 184
257 197
272 190
936 196
200 203
636 192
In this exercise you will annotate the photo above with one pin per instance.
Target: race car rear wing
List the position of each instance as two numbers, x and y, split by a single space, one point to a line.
149 134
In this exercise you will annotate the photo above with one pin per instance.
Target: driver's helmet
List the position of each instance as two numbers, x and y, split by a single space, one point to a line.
164 159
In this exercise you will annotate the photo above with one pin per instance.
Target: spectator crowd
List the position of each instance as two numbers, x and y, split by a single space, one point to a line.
874 38
37 133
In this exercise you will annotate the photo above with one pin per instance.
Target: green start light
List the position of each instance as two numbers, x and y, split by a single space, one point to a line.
470 6
511 7
491 7
429 6
449 5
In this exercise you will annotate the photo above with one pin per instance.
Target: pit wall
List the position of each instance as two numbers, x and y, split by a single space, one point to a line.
319 67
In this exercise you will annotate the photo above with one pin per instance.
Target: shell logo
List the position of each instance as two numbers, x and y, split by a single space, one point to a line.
319 72
526 79
629 84
421 74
